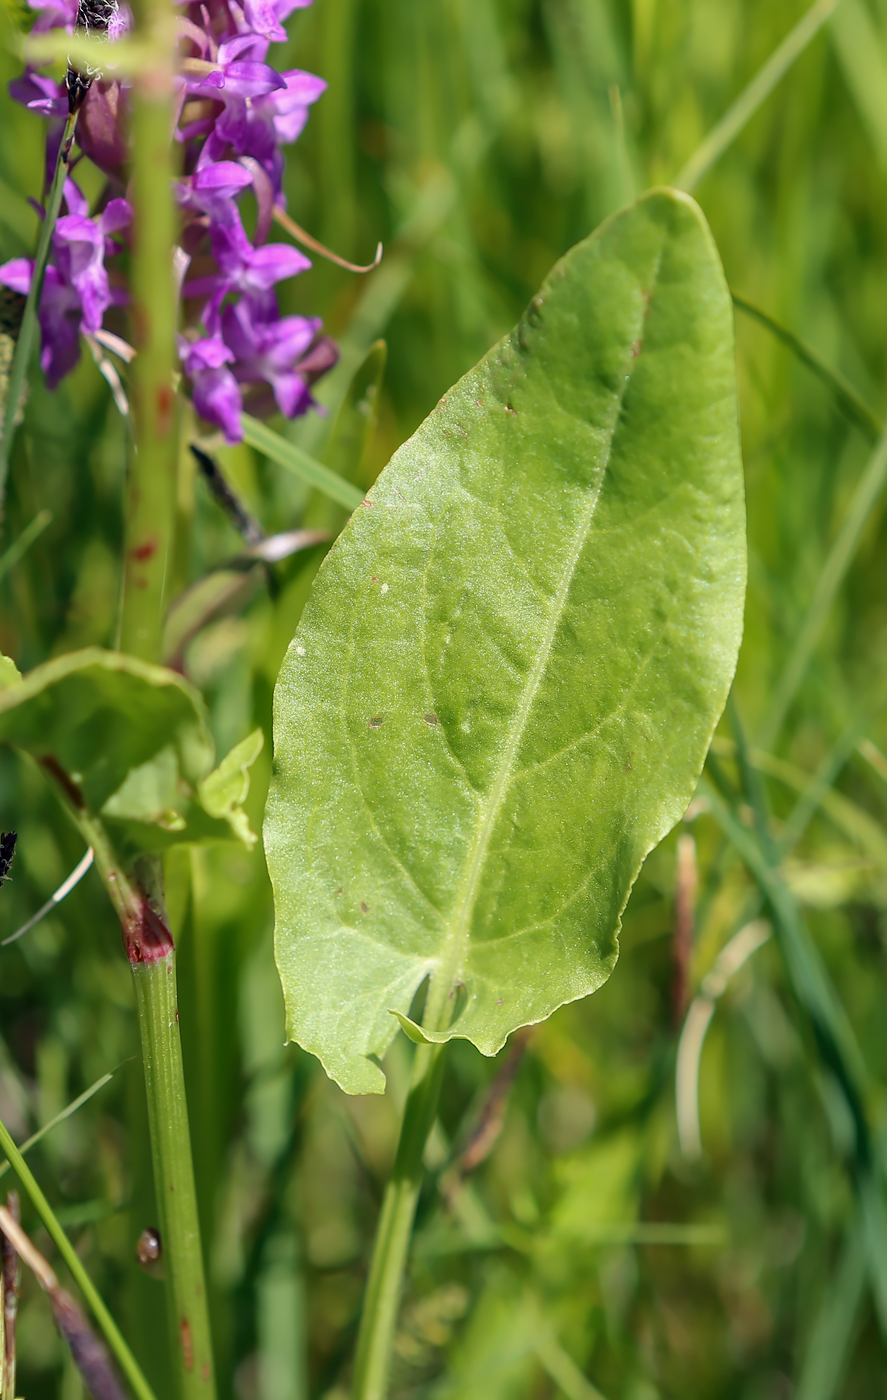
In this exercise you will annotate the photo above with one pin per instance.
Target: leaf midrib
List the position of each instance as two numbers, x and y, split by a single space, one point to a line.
457 929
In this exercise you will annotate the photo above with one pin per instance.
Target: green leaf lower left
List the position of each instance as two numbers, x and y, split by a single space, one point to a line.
127 743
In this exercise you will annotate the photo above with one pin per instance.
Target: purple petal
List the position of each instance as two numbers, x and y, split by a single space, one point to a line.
37 90
217 397
274 263
199 355
241 46
102 128
79 246
290 108
17 275
116 215
205 84
261 16
285 8
75 200
252 79
60 320
292 394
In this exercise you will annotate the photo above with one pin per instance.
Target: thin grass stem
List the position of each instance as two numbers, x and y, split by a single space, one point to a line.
724 133
20 547
851 404
60 1117
108 1327
831 577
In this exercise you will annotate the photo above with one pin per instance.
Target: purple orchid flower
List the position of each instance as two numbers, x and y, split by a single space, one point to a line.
216 392
258 129
76 293
269 351
236 76
236 113
213 188
243 268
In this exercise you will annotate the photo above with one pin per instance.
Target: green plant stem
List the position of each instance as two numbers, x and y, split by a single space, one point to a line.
384 1287
21 360
151 485
150 541
125 1359
385 1284
138 899
724 133
155 987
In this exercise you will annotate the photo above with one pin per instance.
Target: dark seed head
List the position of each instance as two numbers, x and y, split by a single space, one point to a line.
7 851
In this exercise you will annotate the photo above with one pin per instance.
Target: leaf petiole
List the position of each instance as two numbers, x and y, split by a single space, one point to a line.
382 1298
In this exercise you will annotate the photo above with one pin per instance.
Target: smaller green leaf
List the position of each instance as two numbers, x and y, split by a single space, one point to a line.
9 672
411 1029
128 743
224 792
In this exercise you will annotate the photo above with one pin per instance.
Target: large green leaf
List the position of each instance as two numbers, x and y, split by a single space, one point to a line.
506 679
129 746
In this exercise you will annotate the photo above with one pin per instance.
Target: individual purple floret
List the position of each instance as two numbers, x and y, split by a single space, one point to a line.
76 290
236 113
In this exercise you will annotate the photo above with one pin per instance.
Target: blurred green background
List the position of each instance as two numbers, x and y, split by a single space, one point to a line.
587 1254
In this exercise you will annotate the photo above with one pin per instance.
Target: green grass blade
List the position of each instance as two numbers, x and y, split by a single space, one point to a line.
724 133
60 1117
24 345
312 472
859 47
832 1030
832 1332
830 579
851 404
21 546
108 1327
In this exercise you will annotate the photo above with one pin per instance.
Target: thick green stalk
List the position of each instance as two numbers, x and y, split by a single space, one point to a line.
151 486
150 538
110 1331
155 987
21 359
385 1284
138 900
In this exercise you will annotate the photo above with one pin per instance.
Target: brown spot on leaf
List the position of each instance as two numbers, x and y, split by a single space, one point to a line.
431 719
143 552
364 907
377 721
187 1345
164 401
637 348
